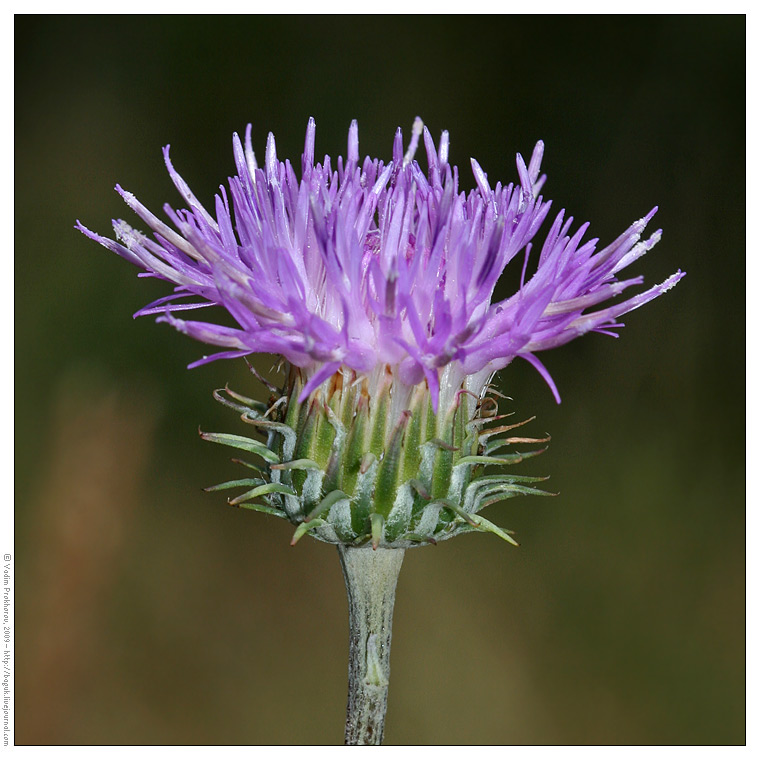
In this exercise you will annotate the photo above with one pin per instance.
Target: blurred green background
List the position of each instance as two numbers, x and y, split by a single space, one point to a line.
150 612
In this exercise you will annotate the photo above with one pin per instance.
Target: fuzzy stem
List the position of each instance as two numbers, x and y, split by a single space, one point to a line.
371 576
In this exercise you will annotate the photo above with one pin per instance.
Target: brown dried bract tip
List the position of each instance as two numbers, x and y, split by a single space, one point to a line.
528 440
489 407
335 384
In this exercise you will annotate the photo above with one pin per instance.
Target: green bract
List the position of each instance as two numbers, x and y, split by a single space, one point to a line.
348 466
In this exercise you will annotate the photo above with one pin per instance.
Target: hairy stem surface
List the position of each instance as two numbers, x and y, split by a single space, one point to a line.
371 577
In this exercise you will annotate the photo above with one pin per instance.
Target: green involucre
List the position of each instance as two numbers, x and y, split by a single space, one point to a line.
342 470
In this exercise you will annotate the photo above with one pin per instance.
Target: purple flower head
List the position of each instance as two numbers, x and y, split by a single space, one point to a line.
371 265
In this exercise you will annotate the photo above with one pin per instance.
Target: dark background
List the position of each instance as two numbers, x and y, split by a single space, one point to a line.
150 612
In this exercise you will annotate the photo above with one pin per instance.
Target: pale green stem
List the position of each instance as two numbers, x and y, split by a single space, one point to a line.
371 576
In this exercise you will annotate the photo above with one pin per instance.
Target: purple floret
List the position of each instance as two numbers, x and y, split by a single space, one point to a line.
368 264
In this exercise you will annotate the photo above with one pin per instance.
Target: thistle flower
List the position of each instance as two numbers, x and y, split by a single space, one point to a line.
375 282
380 265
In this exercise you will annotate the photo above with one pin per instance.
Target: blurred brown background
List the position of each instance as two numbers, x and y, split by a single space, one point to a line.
150 612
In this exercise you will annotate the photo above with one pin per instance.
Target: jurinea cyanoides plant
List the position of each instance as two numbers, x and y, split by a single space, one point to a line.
374 283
